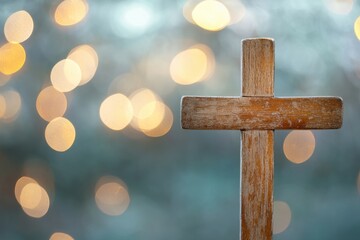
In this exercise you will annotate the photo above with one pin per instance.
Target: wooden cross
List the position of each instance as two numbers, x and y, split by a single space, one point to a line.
257 114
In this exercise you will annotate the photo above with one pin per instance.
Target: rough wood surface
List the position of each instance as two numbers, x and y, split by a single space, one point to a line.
257 185
256 111
257 158
258 67
266 113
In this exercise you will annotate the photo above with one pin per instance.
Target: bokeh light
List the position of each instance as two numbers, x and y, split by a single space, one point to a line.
235 8
164 126
143 102
51 103
111 196
116 111
132 19
60 134
61 236
357 28
340 6
87 59
71 12
282 217
12 58
211 15
20 184
192 65
18 27
65 75
299 145
12 105
2 106
148 110
32 197
42 208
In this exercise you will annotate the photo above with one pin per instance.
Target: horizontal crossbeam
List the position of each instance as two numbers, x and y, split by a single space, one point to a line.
261 113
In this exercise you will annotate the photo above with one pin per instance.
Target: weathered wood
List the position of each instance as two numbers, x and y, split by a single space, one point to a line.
258 67
228 113
257 114
257 184
257 158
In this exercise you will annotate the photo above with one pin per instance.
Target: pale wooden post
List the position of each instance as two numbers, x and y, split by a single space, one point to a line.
257 114
257 156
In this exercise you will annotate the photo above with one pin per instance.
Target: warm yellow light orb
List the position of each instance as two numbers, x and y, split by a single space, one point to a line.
20 184
116 111
148 110
153 120
282 217
70 12
60 236
65 75
30 195
357 28
141 98
60 134
211 15
40 209
87 59
189 66
51 103
299 145
164 127
12 58
18 27
13 105
111 196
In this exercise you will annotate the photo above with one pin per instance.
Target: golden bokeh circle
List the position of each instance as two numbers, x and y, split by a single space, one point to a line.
116 111
211 15
192 65
60 236
12 58
18 27
51 103
164 127
299 145
12 105
282 217
65 75
87 59
60 134
111 196
70 12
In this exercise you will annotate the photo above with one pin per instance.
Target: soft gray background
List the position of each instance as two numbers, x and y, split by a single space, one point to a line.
184 185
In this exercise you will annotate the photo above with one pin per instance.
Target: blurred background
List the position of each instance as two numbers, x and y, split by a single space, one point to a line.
90 140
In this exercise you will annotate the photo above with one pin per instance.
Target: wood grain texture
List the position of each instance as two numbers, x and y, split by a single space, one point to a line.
261 113
257 185
258 67
257 158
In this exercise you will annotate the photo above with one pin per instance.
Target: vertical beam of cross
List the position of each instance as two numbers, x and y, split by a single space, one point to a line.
257 156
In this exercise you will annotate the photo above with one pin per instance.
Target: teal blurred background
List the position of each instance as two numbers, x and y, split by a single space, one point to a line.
185 184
